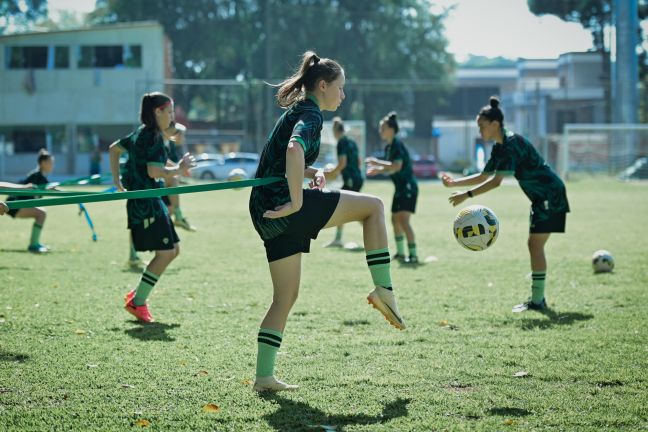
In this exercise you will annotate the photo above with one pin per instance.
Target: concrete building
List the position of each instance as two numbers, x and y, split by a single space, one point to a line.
74 91
538 97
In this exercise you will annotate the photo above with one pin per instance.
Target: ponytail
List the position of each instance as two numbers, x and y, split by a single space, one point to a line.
390 120
311 70
43 155
151 102
492 112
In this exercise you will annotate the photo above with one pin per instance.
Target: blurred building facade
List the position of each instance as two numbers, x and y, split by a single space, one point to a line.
74 92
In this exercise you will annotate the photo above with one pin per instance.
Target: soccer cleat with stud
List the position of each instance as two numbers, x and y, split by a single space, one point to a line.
400 258
38 248
529 305
184 224
271 384
412 260
334 244
129 296
384 301
140 312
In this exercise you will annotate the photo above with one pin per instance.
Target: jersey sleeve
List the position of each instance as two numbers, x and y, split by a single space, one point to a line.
36 178
307 130
156 154
342 148
397 152
125 143
502 161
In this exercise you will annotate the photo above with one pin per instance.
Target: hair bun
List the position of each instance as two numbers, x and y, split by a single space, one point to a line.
42 151
493 102
392 115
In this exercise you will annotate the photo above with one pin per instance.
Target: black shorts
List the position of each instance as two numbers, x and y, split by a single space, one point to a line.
160 235
166 200
317 208
405 202
353 185
554 224
13 212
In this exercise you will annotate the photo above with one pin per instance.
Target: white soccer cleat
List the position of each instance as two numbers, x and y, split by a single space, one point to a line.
383 300
271 384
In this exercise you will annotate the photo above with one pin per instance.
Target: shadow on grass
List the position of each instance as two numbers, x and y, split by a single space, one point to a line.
16 250
551 318
299 416
152 331
16 268
11 357
353 323
509 412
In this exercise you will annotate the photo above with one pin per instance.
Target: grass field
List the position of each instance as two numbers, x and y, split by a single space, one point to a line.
72 359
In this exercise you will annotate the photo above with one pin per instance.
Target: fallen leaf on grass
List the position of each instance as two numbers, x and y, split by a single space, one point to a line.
211 408
246 382
444 323
521 374
79 332
509 422
92 366
202 373
127 386
142 423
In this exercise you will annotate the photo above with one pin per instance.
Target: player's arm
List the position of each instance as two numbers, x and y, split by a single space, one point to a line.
7 185
333 173
458 197
115 152
470 180
168 172
295 168
376 166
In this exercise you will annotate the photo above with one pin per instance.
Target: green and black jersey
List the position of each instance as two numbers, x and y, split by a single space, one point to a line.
34 177
145 148
404 179
351 174
516 156
303 123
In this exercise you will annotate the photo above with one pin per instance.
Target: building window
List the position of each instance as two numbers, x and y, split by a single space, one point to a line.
27 57
29 140
110 56
61 57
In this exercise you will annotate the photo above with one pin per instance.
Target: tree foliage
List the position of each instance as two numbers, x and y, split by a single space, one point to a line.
19 13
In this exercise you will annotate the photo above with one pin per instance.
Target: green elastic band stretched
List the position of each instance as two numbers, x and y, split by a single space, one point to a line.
39 192
93 179
148 193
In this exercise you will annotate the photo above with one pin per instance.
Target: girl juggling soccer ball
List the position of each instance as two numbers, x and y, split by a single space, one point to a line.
513 155
148 218
287 217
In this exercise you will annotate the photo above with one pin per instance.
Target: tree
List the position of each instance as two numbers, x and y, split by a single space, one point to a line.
18 14
261 39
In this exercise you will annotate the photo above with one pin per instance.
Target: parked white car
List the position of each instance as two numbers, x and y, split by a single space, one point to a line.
216 166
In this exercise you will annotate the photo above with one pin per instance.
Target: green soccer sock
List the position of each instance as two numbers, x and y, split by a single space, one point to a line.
412 249
177 212
133 253
35 234
145 287
338 234
400 244
537 286
268 343
378 261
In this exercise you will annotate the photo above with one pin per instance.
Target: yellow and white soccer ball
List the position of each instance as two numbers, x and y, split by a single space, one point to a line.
602 261
476 228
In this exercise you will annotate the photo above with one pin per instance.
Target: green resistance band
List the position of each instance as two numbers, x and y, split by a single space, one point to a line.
148 193
43 192
93 179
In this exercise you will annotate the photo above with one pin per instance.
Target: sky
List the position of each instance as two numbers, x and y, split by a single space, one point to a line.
489 28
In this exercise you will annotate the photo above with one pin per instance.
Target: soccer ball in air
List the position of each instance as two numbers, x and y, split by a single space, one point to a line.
476 227
602 261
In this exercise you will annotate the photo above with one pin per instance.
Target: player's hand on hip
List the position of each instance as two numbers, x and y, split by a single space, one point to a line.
281 211
457 198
